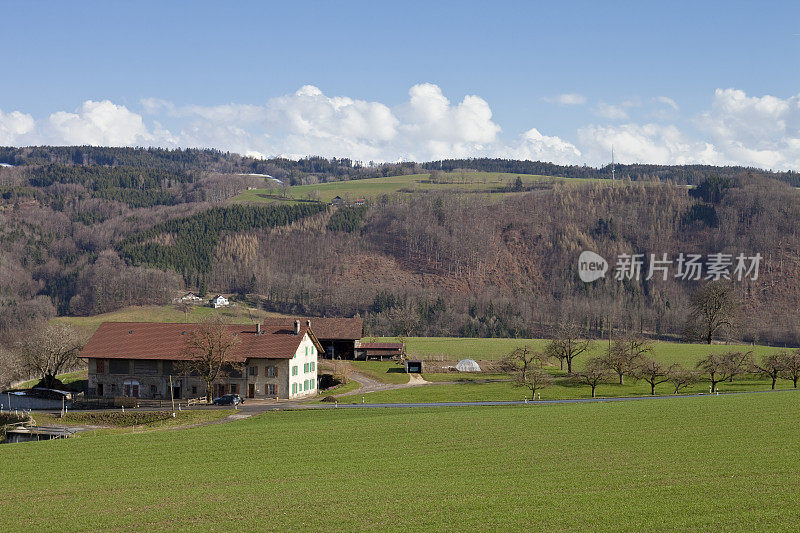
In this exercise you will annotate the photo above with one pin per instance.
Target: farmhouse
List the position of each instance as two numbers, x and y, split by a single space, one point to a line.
219 301
338 336
379 350
137 359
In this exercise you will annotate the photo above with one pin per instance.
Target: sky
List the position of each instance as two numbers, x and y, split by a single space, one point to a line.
668 82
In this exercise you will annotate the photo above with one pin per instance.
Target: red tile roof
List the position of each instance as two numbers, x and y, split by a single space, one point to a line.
381 345
324 328
147 340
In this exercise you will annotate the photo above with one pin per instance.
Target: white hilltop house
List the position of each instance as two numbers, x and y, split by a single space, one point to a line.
219 301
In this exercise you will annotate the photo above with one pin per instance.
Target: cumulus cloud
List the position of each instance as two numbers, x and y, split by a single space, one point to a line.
567 99
99 123
645 143
737 128
611 112
760 131
534 146
15 127
666 100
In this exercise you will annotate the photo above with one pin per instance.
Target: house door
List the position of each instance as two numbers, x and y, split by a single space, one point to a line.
220 390
251 390
176 392
130 388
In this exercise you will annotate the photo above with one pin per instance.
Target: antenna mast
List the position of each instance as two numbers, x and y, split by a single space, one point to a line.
612 162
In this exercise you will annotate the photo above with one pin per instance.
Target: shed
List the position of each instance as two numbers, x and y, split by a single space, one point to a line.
414 366
468 365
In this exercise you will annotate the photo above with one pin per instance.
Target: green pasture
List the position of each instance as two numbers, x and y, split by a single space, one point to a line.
455 349
236 314
723 463
485 182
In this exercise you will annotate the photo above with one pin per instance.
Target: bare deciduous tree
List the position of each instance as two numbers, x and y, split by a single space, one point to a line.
681 377
791 366
50 350
771 366
208 351
594 374
526 363
714 307
625 353
723 367
535 379
567 345
652 372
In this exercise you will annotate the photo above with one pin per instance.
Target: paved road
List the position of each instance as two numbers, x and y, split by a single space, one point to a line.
297 405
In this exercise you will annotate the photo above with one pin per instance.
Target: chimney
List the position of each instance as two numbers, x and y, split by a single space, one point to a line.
258 328
297 327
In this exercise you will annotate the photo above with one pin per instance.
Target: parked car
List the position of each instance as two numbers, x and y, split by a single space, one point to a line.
228 399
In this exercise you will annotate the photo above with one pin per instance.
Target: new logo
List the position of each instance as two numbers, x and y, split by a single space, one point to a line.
591 266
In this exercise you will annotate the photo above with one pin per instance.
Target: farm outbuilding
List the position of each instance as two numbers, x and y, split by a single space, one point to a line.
468 365
413 367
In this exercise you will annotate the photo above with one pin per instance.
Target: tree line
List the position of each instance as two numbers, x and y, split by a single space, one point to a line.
631 356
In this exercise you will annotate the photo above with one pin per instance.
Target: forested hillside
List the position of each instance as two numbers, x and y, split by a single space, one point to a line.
87 230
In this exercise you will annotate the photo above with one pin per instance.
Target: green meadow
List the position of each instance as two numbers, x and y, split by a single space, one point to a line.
723 463
235 314
457 348
483 182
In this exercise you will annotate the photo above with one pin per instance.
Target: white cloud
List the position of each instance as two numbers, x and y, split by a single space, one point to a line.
567 99
666 100
534 146
646 143
15 127
738 129
611 112
750 130
99 123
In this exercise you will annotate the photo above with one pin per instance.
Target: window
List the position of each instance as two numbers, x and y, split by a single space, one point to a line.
118 366
271 389
145 366
294 388
313 366
311 384
194 389
153 391
234 388
270 371
305 367
99 389
306 350
294 370
253 370
100 365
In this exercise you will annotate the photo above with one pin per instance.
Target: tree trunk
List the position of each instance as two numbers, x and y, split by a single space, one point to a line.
569 366
561 360
652 389
774 379
209 391
795 382
593 387
621 376
708 336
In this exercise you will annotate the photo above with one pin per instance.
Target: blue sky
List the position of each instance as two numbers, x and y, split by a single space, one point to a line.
676 82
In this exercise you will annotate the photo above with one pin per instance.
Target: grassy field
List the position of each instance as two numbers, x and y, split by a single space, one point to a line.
371 188
71 379
236 314
454 349
722 463
109 422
